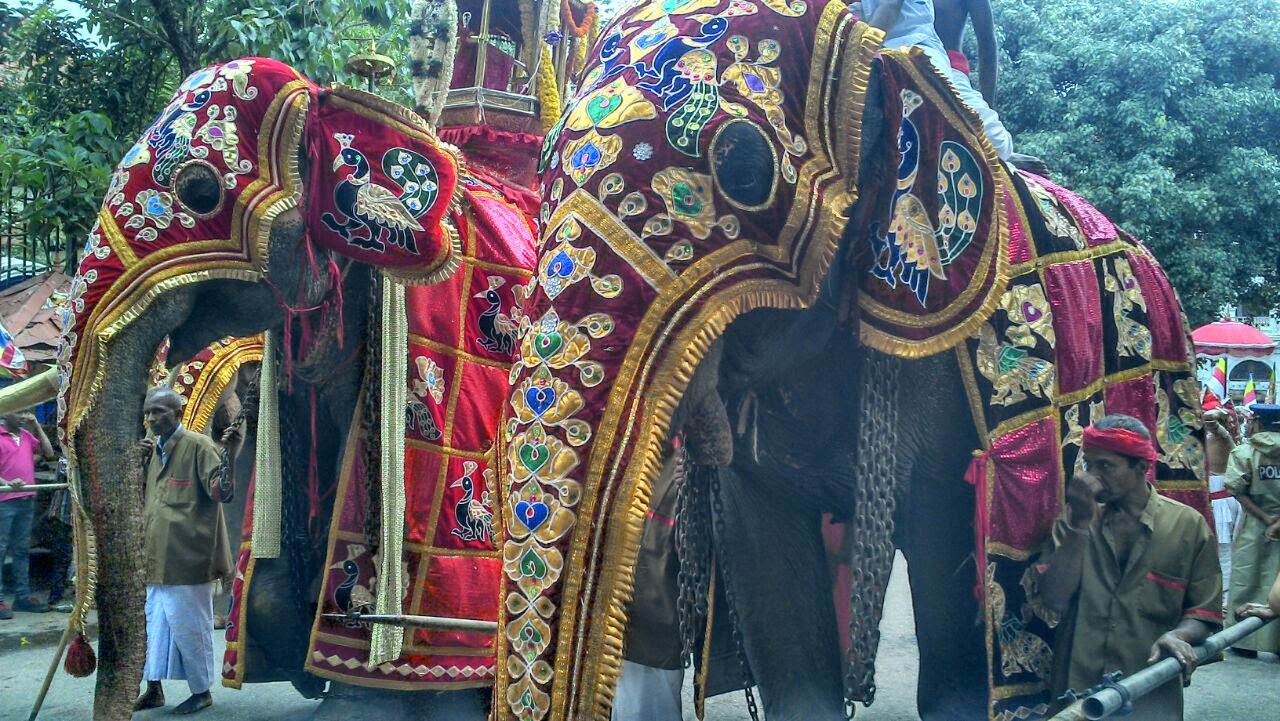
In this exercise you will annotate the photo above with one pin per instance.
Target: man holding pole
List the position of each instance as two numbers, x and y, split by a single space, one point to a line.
1131 576
21 441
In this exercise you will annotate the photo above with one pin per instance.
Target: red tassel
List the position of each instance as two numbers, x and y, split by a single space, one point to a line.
81 661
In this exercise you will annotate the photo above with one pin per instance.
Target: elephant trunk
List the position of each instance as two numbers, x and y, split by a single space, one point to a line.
109 466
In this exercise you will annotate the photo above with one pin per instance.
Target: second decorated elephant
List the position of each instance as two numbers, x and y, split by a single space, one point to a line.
903 331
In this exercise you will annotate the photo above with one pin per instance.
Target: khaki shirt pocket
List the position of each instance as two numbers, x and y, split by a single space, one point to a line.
178 493
1160 596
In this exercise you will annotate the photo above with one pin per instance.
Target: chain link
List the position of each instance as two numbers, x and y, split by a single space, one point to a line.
372 417
693 550
871 559
717 515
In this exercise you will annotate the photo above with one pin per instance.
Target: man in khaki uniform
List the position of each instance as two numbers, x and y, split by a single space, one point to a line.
188 478
1131 576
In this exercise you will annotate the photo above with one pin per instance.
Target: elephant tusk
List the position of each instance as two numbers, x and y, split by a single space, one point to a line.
436 623
37 389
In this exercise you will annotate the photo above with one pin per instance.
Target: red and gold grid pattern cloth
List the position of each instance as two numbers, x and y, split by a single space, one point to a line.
461 344
1067 320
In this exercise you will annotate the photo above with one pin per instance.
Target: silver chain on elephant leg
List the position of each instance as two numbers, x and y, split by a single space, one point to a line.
871 559
372 417
730 600
693 550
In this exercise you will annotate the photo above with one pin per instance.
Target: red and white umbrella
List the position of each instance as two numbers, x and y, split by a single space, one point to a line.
1230 338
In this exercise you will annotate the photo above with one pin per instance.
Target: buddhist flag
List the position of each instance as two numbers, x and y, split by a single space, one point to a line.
1218 381
12 363
1250 393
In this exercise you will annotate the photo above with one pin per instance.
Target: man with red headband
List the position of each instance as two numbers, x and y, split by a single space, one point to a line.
1253 477
1131 576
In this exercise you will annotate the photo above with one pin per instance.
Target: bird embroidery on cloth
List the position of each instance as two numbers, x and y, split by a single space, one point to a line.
385 215
474 519
497 330
350 596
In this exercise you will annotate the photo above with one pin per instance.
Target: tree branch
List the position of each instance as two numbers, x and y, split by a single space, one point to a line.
127 21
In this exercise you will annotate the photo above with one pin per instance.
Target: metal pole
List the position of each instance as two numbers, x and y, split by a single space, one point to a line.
34 487
1123 693
53 668
435 623
482 44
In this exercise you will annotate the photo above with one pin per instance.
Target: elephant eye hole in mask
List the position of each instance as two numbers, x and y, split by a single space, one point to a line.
744 165
198 188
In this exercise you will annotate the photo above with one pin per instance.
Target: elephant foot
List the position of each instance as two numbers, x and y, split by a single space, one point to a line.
345 702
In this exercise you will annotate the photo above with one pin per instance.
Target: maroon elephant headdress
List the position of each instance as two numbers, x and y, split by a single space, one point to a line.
378 185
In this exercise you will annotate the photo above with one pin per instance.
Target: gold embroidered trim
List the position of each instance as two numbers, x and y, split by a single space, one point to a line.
386 640
268 483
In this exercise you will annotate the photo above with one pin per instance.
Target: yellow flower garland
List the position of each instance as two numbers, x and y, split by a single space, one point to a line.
548 91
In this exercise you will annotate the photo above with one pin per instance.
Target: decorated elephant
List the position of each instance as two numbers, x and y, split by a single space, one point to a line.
384 272
904 332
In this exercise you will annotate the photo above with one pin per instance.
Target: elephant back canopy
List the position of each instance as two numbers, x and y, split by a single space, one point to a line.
1078 321
644 261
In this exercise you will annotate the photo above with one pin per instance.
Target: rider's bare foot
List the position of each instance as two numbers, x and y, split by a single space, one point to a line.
197 702
153 697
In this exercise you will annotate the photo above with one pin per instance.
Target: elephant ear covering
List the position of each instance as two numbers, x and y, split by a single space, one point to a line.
380 186
1057 319
238 125
653 240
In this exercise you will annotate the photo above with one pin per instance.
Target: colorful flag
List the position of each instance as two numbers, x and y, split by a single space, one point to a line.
1218 382
11 361
1250 393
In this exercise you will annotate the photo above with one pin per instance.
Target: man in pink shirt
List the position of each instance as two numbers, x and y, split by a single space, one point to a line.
21 440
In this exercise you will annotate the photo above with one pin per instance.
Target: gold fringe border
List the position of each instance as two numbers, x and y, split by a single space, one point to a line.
214 378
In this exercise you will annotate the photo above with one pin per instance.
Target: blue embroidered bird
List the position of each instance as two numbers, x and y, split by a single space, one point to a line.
497 330
385 215
662 77
475 522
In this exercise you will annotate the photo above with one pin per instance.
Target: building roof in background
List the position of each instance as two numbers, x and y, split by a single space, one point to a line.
32 311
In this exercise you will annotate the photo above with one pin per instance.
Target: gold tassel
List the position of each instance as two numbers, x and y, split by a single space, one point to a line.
268 482
548 90
386 642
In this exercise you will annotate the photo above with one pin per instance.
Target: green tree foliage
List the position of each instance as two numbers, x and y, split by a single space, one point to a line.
75 92
1166 115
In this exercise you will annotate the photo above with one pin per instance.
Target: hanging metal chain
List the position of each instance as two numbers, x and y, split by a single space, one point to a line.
872 549
372 417
717 514
693 550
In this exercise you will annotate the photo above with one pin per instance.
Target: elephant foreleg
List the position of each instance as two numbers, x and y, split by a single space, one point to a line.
776 544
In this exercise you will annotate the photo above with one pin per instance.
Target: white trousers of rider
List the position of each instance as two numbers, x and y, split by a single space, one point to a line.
969 95
647 694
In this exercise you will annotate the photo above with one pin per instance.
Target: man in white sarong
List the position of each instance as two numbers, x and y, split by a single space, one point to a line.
1220 429
909 23
188 478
